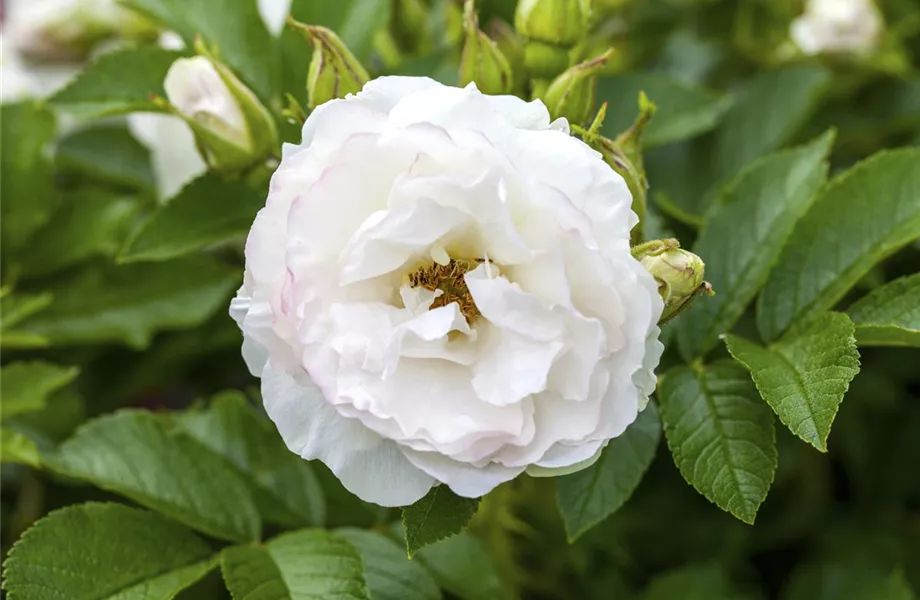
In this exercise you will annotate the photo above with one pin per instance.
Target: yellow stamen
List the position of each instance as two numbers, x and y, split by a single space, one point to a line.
449 279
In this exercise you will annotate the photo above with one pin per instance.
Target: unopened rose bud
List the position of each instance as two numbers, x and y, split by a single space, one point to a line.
482 62
511 45
232 128
56 30
679 274
409 24
561 22
552 29
334 70
624 155
571 94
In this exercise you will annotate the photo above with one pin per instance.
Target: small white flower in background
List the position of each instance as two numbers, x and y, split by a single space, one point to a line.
837 27
274 14
440 289
173 155
50 30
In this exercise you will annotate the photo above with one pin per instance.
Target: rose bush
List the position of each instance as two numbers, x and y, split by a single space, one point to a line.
440 289
448 299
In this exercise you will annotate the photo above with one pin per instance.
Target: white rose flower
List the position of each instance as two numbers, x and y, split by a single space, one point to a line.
440 289
837 26
50 30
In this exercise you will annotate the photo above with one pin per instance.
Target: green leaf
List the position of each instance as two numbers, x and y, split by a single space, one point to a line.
131 453
744 234
360 23
17 448
721 435
251 574
684 110
695 582
233 26
591 495
116 83
23 340
461 565
107 153
890 315
64 411
29 197
804 375
390 575
207 211
302 565
130 303
25 386
104 551
283 485
863 216
90 223
16 307
440 514
767 111
847 581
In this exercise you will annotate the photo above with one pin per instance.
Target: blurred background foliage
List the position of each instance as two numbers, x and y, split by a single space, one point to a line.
729 89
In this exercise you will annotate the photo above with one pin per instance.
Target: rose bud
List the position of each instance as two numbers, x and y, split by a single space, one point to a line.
624 155
571 95
482 62
679 274
440 291
409 25
334 70
552 28
511 46
232 129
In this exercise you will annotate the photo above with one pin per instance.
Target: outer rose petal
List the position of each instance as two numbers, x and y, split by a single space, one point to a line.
370 467
546 468
463 478
254 354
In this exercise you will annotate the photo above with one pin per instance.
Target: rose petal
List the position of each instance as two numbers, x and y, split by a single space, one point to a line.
370 467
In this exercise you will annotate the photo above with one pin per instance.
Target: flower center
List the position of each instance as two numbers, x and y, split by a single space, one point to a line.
449 279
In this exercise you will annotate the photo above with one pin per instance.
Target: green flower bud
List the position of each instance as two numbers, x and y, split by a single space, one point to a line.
511 46
334 70
409 25
559 22
624 155
545 60
571 95
233 130
679 274
482 62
